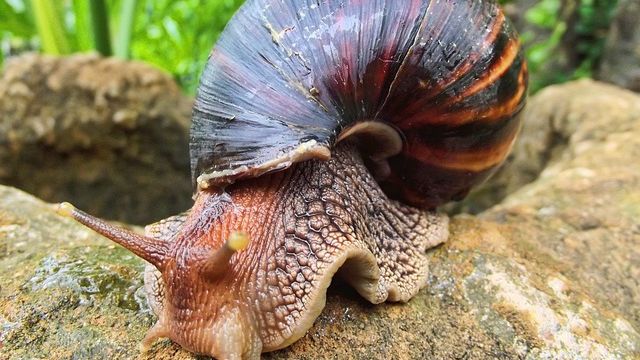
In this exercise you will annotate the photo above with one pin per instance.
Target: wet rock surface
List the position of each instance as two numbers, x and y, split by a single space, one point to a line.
109 135
551 272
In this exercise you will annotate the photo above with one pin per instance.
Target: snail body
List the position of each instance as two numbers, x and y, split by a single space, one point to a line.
324 133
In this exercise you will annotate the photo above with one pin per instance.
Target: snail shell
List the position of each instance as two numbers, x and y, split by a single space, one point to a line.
430 88
427 90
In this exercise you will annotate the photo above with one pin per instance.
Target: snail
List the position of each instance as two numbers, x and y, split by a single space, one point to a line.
324 135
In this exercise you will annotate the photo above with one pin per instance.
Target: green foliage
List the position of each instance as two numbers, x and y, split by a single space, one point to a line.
83 34
15 20
595 19
176 36
47 14
100 26
576 34
123 42
16 27
545 15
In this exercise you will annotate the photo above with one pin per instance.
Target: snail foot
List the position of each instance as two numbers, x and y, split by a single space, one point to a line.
158 330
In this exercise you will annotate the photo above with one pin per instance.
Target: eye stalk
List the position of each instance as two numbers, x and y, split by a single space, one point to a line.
217 262
151 250
238 241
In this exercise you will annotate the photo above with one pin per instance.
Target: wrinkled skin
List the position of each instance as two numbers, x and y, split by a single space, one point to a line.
304 225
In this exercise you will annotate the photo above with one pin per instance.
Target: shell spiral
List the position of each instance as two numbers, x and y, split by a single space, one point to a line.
286 78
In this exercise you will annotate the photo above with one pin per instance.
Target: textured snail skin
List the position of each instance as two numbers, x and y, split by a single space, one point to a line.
304 224
271 292
301 105
287 77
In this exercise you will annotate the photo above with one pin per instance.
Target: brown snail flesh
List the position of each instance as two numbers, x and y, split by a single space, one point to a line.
324 134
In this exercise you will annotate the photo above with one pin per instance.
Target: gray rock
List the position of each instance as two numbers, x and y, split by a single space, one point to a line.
621 58
549 273
109 135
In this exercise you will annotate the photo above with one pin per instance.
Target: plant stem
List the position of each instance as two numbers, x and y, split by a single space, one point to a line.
122 45
100 24
83 25
50 28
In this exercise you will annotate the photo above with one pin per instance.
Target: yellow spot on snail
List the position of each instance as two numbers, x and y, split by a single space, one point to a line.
238 240
65 209
203 184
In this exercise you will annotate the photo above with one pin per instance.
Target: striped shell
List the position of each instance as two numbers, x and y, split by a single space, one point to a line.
287 78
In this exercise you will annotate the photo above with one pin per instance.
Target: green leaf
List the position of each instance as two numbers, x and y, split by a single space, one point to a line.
100 25
125 29
15 21
50 27
544 14
83 34
16 27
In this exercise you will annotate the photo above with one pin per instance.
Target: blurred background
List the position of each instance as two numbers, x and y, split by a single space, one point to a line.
175 36
96 96
565 39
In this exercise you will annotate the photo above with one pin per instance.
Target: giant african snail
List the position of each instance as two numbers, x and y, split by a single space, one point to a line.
301 106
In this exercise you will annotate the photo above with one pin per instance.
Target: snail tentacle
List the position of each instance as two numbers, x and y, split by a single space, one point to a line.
218 261
149 249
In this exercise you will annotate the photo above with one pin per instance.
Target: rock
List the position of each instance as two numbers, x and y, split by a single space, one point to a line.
621 58
65 292
549 273
109 135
